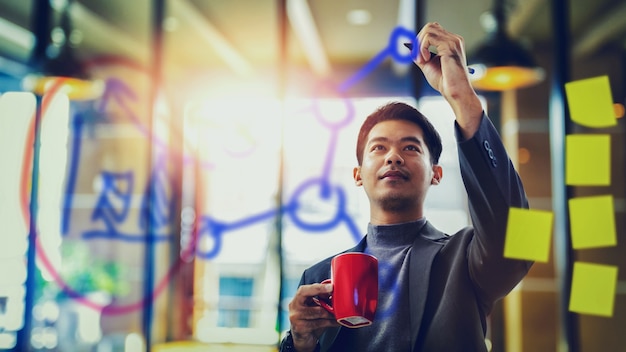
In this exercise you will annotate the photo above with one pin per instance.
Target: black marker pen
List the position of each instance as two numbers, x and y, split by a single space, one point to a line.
433 51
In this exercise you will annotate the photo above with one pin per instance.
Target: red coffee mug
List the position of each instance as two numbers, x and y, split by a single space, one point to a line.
354 298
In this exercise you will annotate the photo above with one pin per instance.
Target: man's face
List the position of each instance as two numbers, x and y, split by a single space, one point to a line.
396 170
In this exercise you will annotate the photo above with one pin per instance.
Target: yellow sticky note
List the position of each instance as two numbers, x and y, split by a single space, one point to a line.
590 102
528 234
592 222
593 289
588 160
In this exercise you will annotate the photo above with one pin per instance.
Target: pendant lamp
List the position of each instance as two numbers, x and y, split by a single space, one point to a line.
57 64
501 63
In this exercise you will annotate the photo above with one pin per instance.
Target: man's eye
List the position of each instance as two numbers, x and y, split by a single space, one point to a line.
412 147
378 147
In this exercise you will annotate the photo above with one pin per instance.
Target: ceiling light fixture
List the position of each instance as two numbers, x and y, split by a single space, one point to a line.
359 17
501 63
57 63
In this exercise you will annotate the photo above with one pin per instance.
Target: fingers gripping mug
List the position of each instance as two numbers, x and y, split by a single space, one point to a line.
354 277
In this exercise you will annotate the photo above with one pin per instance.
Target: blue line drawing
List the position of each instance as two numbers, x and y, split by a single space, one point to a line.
113 204
391 50
77 126
87 117
156 204
387 283
114 186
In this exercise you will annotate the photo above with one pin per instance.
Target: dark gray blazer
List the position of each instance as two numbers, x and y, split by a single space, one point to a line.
455 280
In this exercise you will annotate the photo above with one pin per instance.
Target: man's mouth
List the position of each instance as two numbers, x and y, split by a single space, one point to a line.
394 175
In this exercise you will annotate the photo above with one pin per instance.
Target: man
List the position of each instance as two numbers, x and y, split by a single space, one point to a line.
435 290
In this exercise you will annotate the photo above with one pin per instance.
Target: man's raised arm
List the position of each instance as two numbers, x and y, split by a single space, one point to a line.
447 73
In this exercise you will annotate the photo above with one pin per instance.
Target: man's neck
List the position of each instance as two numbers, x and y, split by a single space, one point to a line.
390 218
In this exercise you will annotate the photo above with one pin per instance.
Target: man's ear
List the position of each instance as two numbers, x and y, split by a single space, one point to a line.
356 174
437 175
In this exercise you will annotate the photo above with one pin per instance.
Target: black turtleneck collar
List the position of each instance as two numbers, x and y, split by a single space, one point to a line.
394 235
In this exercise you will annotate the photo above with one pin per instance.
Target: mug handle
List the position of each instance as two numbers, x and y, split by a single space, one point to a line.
322 302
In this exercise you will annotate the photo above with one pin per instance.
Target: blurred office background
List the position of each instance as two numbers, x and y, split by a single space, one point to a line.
169 195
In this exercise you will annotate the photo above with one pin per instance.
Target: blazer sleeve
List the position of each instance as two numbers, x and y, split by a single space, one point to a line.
493 186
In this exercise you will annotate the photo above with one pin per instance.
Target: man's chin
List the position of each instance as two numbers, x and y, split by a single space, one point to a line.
395 202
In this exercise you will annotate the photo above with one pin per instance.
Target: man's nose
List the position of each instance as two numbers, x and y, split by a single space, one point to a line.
394 158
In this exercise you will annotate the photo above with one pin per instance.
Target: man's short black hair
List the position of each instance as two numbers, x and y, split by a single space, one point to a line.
400 111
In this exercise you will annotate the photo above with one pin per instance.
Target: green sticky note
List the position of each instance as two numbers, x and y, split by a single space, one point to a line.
528 234
588 160
593 289
590 102
592 222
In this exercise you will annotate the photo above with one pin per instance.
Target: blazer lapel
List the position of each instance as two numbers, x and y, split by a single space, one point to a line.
424 249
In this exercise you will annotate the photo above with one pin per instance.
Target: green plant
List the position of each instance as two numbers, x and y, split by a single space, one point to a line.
83 273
